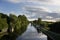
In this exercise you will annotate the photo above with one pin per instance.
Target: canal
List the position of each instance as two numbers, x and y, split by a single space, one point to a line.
32 34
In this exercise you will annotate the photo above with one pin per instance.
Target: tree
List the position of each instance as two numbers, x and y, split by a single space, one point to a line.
12 22
14 25
3 21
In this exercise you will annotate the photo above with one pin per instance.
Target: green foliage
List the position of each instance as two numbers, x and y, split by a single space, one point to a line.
3 21
40 22
18 24
21 24
13 18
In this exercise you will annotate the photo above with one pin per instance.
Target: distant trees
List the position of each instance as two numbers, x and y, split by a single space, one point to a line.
40 22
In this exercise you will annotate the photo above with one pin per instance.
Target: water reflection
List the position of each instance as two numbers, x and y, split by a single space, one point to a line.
32 34
13 35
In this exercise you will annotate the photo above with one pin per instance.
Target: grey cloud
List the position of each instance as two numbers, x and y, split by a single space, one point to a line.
18 1
34 13
45 0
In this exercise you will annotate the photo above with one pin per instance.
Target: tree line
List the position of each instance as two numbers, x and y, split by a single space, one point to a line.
12 25
50 26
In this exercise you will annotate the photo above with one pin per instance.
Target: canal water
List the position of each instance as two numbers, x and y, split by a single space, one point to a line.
32 34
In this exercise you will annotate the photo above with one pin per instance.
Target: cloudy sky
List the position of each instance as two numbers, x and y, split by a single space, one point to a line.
33 9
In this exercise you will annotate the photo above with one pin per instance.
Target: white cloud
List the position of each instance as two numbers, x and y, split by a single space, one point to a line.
17 1
36 8
51 2
49 17
13 12
56 2
39 11
57 10
46 2
49 20
32 19
35 12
